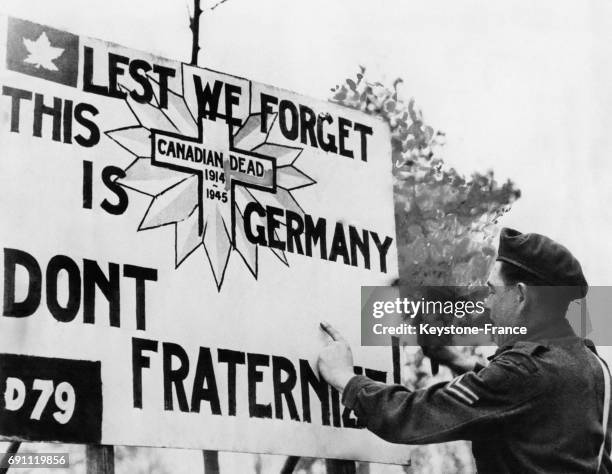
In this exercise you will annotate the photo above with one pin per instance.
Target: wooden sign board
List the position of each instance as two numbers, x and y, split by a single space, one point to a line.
171 238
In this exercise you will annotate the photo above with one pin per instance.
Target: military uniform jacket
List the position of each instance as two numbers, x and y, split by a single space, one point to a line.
537 407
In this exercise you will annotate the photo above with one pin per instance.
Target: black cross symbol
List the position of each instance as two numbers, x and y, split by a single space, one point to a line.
208 174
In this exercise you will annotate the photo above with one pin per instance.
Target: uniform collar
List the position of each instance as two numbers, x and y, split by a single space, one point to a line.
558 328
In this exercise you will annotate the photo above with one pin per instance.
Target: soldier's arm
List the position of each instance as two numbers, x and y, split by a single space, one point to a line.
468 407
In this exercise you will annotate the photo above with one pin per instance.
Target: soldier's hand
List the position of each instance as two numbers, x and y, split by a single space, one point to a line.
335 361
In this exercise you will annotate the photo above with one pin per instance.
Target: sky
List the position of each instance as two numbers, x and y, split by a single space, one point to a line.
519 87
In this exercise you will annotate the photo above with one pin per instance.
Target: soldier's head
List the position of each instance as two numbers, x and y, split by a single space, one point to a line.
533 280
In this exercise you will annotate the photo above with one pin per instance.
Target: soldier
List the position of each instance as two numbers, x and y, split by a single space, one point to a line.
541 404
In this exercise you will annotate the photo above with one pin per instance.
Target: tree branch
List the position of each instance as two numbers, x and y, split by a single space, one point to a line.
217 4
194 26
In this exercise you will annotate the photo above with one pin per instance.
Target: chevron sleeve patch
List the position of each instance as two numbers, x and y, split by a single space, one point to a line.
460 391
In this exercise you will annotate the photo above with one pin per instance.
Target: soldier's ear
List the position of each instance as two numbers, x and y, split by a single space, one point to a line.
522 292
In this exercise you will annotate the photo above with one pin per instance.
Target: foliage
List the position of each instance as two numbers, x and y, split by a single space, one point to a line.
445 222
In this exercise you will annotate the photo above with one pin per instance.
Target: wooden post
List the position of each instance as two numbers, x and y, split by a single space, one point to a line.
12 449
338 466
396 357
100 459
211 462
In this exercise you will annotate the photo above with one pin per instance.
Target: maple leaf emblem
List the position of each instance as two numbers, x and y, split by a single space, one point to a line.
41 53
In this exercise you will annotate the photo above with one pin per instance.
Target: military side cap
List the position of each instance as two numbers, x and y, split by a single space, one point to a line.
548 261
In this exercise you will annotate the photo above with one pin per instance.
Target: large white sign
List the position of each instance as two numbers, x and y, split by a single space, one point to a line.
171 237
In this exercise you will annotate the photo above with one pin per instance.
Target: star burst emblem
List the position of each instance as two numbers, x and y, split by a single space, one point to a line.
201 174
